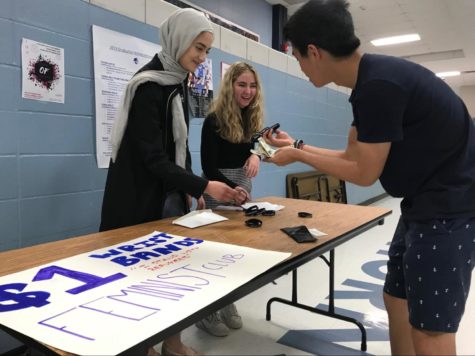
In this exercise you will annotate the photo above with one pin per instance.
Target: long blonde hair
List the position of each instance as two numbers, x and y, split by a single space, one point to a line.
231 124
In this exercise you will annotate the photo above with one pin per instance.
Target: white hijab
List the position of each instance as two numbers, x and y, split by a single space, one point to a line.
177 33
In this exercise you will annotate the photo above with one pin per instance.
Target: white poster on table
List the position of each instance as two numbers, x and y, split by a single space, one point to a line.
117 57
105 301
42 71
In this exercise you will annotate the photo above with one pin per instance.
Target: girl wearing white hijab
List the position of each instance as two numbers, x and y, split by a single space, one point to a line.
150 173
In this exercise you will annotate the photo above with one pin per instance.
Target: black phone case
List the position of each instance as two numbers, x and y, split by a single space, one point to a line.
299 233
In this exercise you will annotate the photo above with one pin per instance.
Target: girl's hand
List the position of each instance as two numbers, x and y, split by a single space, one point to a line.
200 203
252 166
243 196
221 191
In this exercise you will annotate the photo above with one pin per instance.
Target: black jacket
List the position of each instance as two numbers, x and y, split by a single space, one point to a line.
145 169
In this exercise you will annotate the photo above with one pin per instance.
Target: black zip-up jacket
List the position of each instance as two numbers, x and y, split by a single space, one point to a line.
145 169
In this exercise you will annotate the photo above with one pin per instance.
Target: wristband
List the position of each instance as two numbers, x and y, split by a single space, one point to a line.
258 156
298 144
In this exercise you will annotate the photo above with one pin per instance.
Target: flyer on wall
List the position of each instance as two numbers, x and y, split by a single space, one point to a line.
42 71
200 89
117 57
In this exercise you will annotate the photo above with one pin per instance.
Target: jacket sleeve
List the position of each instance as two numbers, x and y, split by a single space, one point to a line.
188 166
147 126
210 148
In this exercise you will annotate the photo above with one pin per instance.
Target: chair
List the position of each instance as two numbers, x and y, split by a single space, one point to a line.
314 185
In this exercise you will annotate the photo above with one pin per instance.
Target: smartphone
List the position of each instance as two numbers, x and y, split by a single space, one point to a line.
275 127
259 134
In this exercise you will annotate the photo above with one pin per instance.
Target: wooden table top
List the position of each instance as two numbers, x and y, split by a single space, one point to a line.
332 218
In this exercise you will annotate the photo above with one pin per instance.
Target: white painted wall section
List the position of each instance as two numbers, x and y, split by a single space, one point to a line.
277 60
467 93
257 52
233 43
158 11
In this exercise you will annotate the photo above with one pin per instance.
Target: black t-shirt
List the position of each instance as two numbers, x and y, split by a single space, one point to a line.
216 152
431 163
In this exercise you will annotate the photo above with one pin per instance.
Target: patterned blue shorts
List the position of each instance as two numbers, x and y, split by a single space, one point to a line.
430 264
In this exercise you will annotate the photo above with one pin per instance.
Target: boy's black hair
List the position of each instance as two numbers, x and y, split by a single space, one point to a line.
324 23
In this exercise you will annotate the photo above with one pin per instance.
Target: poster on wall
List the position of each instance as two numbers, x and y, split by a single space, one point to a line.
134 289
42 71
200 88
117 57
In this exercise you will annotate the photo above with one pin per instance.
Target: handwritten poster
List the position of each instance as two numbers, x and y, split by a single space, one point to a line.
135 289
42 71
117 57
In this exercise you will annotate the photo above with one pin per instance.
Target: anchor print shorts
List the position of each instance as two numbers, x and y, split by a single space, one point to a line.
430 264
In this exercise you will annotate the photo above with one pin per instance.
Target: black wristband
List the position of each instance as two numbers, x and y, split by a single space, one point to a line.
298 144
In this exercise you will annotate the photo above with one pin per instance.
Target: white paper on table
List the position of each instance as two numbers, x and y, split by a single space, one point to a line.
198 218
316 233
265 205
228 207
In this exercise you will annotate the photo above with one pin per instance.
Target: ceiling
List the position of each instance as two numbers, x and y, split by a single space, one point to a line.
446 27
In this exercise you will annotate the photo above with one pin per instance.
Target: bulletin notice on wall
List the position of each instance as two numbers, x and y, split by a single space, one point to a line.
117 57
42 71
134 289
200 88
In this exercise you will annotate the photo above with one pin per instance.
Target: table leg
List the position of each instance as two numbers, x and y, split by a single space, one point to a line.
331 305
